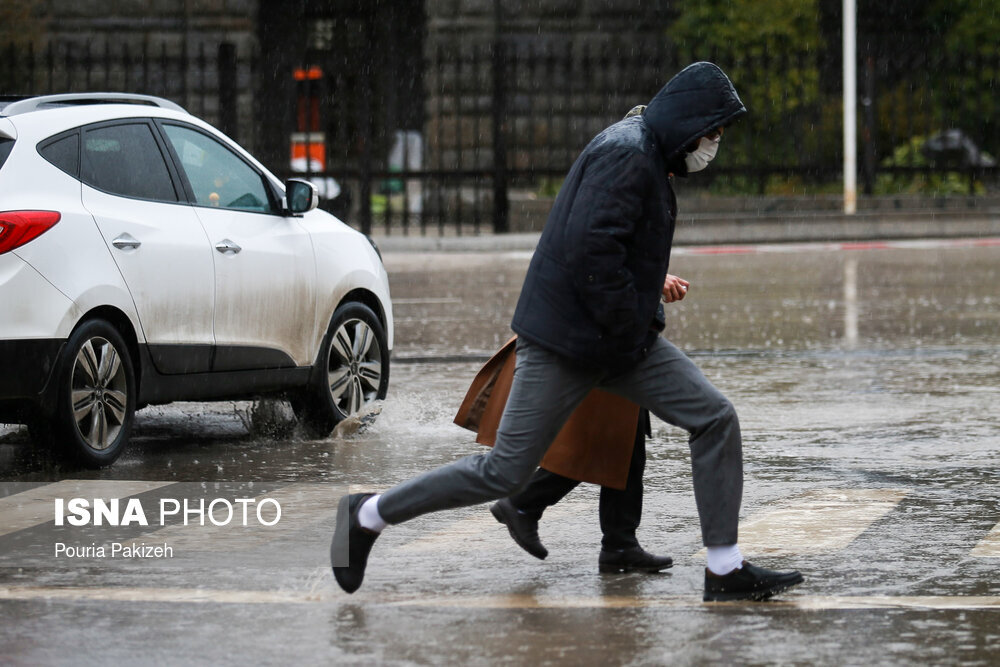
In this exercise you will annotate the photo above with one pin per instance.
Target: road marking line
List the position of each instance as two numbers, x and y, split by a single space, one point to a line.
155 595
480 529
803 602
513 601
755 248
989 546
37 505
421 301
300 508
820 521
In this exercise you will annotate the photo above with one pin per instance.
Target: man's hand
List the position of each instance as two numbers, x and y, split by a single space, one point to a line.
674 288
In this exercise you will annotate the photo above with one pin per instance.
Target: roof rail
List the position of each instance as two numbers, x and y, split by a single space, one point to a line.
69 99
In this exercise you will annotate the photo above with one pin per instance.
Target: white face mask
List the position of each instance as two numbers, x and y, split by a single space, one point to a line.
703 154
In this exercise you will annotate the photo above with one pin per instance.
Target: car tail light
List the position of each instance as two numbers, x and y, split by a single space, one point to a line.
19 227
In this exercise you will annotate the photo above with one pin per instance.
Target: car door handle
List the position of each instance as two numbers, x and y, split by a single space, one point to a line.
126 241
225 245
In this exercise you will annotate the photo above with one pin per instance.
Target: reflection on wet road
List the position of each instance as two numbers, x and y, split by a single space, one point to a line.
866 382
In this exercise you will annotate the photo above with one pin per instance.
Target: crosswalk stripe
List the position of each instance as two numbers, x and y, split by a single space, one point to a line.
481 528
302 505
819 521
804 602
512 601
989 546
37 505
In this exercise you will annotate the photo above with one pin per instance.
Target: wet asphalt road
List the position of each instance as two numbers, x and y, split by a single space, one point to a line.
867 384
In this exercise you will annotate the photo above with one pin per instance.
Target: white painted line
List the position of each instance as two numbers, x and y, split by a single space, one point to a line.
914 244
482 530
513 601
302 505
989 546
185 595
426 300
37 506
821 521
791 600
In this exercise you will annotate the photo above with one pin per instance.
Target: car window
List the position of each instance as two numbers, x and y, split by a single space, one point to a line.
126 160
218 176
64 153
6 145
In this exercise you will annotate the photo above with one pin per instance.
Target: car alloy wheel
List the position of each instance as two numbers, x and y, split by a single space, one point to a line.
99 393
94 405
355 369
352 370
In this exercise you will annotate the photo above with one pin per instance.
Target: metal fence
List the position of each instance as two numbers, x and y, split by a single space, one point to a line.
211 81
504 119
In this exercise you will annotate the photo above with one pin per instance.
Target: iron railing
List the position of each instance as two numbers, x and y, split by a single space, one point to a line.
508 117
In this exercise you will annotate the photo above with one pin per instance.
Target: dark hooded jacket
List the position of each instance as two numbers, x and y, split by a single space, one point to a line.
593 287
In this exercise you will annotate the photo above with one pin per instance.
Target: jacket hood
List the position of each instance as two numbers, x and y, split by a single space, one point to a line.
697 100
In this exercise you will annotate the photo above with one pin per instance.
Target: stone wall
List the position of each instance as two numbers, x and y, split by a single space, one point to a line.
161 47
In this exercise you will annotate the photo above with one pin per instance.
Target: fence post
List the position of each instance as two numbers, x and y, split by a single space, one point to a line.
868 103
367 137
227 89
500 204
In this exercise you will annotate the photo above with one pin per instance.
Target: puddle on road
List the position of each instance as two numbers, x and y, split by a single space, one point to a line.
866 384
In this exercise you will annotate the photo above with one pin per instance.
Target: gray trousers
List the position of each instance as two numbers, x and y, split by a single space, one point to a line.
546 390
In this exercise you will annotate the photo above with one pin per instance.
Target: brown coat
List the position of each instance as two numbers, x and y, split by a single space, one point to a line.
595 444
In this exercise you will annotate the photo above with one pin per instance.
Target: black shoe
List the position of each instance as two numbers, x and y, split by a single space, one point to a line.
633 559
522 527
748 583
351 539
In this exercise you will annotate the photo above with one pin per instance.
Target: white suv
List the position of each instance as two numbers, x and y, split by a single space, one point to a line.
146 258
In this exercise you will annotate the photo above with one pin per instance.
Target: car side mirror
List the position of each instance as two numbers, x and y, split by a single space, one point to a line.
301 196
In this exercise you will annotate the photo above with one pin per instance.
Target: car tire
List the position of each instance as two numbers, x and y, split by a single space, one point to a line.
352 370
95 397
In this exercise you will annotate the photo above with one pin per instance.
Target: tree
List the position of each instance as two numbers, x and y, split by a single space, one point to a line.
770 50
924 66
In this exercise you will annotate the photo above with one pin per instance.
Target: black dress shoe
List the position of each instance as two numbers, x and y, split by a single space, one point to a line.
748 583
522 527
633 559
351 539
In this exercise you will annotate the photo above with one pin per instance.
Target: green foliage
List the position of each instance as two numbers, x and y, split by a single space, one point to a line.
929 182
549 187
769 51
749 26
967 25
943 72
745 36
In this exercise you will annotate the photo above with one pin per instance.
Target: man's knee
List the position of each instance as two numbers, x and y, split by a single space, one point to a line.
726 410
720 414
503 477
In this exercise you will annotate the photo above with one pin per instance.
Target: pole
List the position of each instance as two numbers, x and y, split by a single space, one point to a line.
850 110
501 206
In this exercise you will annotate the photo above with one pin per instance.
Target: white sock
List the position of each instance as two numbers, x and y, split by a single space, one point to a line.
368 515
723 560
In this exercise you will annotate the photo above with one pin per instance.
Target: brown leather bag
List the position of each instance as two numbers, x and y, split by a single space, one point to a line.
595 444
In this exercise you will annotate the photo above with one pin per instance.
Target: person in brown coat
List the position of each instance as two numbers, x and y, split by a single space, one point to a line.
604 442
619 511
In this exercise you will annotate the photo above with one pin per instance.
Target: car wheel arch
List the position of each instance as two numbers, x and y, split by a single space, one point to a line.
120 321
365 297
